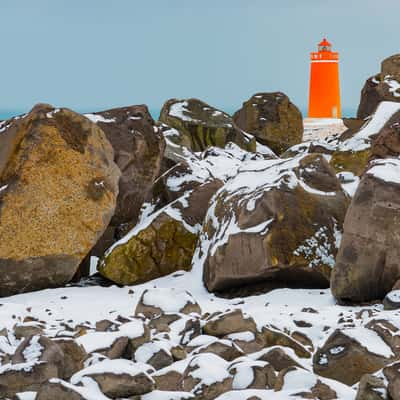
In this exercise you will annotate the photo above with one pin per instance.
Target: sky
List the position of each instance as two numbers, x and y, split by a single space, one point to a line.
97 54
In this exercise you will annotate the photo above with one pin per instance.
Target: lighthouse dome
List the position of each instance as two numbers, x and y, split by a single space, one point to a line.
324 45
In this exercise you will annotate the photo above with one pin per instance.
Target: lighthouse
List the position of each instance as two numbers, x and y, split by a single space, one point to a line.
324 100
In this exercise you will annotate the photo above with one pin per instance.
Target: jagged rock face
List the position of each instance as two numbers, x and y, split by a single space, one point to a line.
384 86
59 186
200 126
277 222
367 265
273 119
138 151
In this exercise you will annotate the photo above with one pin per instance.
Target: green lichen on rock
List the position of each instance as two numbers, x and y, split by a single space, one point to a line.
159 249
201 126
353 161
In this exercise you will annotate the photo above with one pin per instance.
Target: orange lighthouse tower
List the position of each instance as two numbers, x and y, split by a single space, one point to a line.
324 101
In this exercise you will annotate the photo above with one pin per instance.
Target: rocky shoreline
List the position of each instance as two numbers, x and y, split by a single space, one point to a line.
234 260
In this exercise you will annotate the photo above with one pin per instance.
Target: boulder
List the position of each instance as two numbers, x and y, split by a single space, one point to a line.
302 384
384 86
252 375
224 323
57 172
277 223
157 301
367 266
156 353
273 119
348 354
36 360
117 378
200 126
371 388
207 376
60 390
223 348
138 150
162 244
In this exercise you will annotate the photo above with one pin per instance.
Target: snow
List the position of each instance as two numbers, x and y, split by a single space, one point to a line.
177 299
349 182
99 118
394 85
94 341
34 350
387 170
165 395
246 336
244 375
117 367
2 188
362 139
209 369
146 351
394 296
370 340
179 110
26 396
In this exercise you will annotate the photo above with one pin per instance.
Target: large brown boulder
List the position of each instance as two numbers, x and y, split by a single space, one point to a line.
273 119
138 150
384 86
367 262
200 126
59 186
276 223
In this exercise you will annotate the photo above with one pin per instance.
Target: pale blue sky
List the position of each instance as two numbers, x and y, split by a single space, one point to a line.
94 54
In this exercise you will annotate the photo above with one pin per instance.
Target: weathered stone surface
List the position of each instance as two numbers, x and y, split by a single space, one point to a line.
370 388
233 321
263 375
57 172
138 150
273 119
278 358
36 360
74 356
367 262
163 246
201 126
268 226
58 390
303 384
117 378
346 360
197 379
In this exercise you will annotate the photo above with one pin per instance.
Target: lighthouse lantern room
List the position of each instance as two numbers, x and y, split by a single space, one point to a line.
324 100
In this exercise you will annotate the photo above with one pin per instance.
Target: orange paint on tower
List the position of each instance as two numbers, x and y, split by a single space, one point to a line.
324 100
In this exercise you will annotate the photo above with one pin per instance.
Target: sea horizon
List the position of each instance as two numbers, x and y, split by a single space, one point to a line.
347 112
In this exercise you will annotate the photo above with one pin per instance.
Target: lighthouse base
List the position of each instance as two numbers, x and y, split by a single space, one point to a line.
320 128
